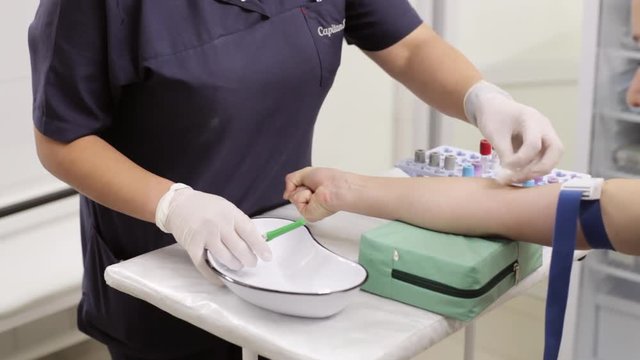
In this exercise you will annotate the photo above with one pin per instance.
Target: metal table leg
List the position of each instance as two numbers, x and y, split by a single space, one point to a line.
469 341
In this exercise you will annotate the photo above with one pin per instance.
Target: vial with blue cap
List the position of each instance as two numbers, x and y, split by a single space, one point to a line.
467 170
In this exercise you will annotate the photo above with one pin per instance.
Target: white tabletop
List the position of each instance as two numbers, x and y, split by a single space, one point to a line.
371 327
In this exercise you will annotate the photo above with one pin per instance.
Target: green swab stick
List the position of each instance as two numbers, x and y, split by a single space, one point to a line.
270 235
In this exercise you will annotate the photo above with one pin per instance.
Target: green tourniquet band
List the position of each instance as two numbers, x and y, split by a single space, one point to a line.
285 229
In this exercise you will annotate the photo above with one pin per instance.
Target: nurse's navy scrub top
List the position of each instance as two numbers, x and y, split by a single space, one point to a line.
221 95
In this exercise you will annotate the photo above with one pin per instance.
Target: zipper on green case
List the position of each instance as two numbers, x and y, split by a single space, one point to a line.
513 268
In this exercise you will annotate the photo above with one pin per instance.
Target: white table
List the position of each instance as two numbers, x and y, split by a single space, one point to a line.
371 327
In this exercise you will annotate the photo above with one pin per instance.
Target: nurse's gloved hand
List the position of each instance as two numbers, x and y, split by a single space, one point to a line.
200 221
524 139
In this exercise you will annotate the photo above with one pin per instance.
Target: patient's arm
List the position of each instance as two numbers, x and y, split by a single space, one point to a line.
469 206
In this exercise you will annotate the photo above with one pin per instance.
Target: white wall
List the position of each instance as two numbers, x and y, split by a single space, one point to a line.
530 48
354 127
367 122
21 174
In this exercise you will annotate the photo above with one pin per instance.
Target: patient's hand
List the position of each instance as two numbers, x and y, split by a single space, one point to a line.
316 192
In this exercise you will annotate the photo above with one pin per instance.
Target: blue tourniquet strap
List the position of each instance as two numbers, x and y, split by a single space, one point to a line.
564 243
593 226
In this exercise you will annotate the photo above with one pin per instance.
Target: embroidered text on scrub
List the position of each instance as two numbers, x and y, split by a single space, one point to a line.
334 28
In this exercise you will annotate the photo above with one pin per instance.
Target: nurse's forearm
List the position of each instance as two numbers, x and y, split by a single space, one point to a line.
102 173
481 207
431 68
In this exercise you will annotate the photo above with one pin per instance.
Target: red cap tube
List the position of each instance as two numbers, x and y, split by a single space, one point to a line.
485 147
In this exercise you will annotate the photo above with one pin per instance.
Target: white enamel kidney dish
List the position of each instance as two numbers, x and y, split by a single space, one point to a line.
303 279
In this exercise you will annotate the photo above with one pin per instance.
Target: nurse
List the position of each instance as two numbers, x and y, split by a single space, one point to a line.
177 120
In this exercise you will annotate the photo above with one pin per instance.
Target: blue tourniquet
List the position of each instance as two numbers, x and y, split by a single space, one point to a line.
570 206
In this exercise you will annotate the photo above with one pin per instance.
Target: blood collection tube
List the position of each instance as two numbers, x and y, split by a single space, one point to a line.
450 164
485 156
467 170
434 159
477 168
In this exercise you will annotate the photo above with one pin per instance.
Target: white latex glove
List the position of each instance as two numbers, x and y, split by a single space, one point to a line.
201 221
524 139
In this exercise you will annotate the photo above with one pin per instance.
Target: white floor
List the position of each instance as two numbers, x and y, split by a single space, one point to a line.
512 332
86 350
515 331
